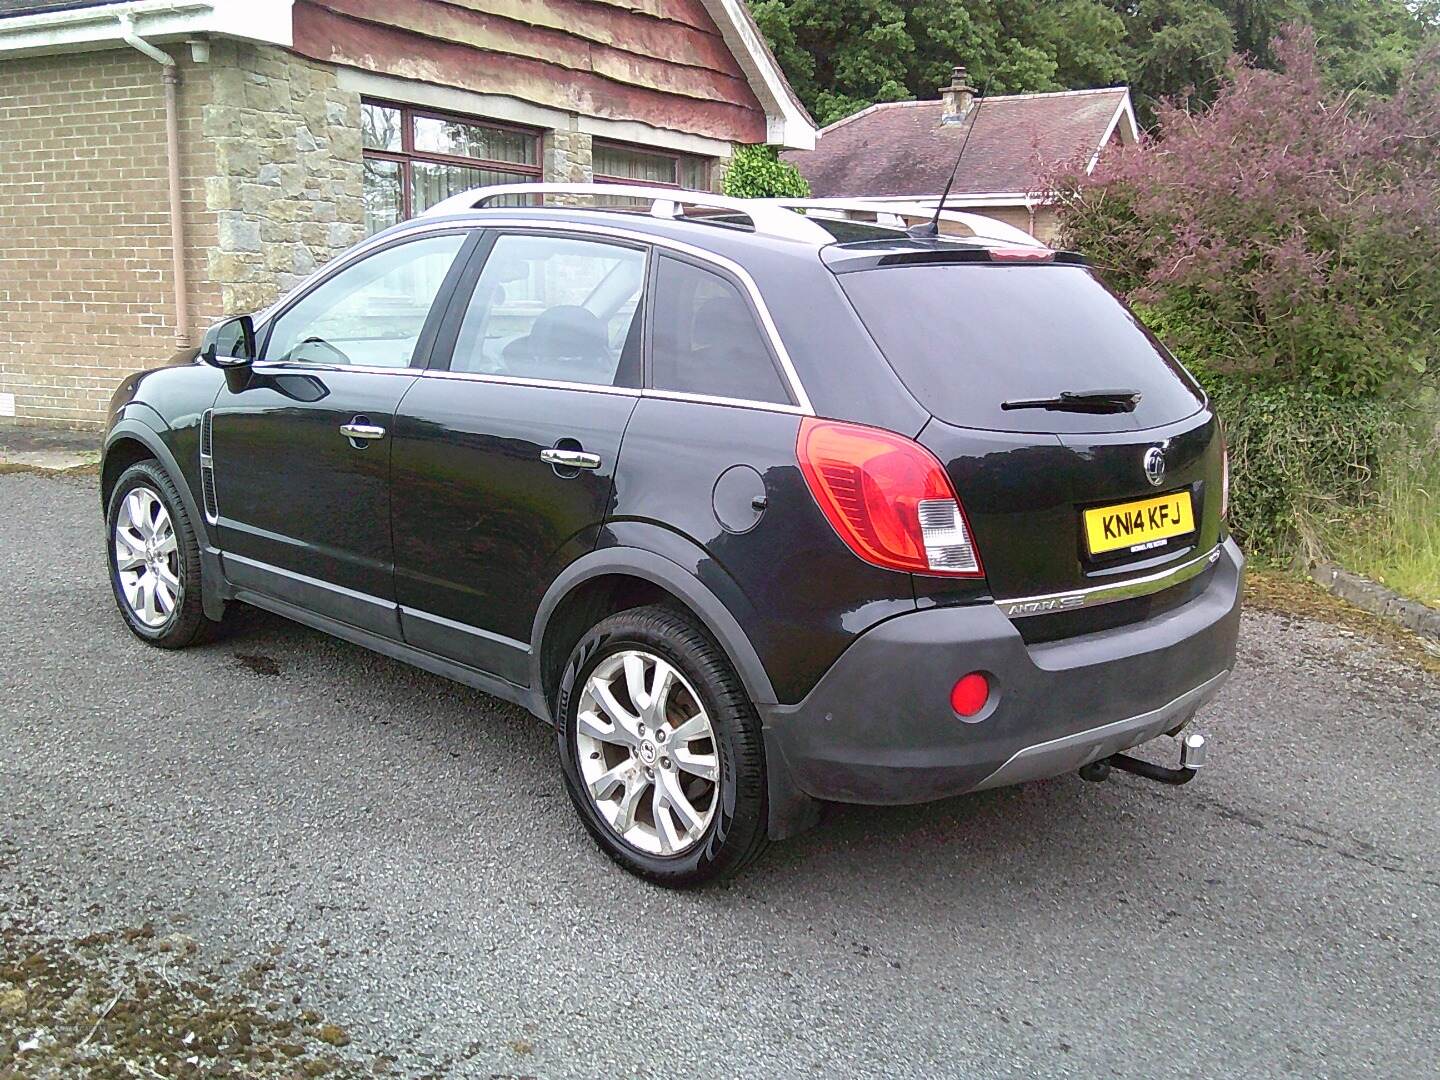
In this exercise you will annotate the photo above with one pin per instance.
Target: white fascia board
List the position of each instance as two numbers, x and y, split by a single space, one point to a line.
88 28
786 124
1123 121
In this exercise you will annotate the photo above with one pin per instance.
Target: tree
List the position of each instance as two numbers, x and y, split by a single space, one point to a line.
842 55
1178 49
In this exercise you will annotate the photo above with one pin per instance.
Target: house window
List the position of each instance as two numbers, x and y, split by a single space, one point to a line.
414 158
618 164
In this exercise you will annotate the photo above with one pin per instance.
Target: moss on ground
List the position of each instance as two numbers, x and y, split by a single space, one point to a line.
137 1003
1269 589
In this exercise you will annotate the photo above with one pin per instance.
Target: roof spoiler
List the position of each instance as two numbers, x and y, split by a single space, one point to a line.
979 226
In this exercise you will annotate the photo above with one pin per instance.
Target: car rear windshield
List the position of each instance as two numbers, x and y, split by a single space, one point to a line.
965 338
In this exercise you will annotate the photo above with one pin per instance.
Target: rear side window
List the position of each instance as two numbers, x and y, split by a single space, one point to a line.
706 339
555 308
965 338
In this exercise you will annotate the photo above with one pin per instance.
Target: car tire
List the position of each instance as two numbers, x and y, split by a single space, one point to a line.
154 559
665 819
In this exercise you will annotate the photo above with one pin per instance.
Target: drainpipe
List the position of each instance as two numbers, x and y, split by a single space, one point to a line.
171 78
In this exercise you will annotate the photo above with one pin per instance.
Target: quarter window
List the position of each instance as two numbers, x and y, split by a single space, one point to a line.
555 308
370 313
706 340
414 158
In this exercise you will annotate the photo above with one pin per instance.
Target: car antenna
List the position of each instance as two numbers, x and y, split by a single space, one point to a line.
927 229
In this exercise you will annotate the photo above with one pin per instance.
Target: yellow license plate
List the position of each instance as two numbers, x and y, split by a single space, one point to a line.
1139 525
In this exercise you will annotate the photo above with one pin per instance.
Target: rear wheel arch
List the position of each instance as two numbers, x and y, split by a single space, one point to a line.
616 579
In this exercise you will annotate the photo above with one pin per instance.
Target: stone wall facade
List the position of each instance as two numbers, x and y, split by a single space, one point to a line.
286 186
568 157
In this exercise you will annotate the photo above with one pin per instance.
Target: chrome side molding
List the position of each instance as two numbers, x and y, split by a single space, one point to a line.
1025 606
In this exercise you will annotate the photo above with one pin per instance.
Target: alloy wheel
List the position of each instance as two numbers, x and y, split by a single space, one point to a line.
647 752
147 558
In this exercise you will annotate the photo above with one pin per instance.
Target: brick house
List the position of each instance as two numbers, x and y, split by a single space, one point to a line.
165 162
904 151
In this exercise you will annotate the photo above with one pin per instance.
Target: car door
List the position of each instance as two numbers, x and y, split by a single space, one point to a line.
504 455
300 442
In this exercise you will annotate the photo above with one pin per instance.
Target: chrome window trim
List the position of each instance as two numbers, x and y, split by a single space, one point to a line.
734 403
802 406
1024 607
303 367
521 380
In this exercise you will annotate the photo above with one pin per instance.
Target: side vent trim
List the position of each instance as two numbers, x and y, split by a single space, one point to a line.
207 467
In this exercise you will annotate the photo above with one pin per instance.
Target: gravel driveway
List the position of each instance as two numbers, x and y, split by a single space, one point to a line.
399 852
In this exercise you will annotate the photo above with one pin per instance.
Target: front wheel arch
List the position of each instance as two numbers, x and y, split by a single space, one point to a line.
120 454
129 430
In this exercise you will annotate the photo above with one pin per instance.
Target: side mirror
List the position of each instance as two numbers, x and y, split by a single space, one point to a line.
230 343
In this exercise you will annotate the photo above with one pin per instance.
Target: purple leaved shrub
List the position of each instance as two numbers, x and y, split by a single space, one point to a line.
1285 242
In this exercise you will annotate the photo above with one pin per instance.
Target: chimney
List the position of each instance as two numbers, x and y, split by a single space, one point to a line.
956 98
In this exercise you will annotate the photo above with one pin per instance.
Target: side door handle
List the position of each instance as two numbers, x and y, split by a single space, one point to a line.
358 432
570 459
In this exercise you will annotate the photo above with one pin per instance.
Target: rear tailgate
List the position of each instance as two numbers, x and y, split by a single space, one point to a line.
1026 497
968 338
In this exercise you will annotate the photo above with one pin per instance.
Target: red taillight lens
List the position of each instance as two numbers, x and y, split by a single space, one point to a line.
1224 480
970 694
888 498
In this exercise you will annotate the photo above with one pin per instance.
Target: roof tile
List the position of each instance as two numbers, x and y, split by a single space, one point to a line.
902 148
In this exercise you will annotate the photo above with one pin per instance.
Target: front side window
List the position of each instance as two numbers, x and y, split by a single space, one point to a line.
371 313
555 308
414 158
706 339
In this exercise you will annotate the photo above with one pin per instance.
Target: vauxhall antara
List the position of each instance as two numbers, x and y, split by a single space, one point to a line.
761 506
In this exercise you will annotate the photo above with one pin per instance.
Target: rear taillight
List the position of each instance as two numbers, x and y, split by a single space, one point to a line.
888 498
1224 478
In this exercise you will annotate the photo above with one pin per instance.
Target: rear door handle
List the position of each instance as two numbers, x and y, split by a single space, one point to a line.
570 459
362 431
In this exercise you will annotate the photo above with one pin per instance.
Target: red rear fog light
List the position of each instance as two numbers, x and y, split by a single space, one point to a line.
970 694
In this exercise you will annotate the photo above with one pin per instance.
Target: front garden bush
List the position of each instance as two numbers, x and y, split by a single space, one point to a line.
1285 242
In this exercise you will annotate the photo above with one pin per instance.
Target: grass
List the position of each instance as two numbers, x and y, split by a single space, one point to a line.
1397 541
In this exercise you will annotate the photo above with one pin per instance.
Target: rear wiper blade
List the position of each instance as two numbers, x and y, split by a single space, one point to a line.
1088 401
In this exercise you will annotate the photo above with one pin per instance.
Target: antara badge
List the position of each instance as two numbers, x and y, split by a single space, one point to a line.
1155 465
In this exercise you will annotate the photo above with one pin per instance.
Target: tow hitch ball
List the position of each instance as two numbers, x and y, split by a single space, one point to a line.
1193 751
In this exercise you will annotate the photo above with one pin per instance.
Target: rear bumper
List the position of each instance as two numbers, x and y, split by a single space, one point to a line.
878 727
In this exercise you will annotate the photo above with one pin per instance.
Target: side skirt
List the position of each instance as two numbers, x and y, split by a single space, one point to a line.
396 650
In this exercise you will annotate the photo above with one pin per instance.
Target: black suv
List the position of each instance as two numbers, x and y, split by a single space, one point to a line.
760 506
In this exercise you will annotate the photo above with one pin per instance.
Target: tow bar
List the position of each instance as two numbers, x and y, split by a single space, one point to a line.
1193 751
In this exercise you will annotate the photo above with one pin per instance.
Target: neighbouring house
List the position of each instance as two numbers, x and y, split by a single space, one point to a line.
904 151
165 162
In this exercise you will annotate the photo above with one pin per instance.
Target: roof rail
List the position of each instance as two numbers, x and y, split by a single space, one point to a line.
983 228
769 217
